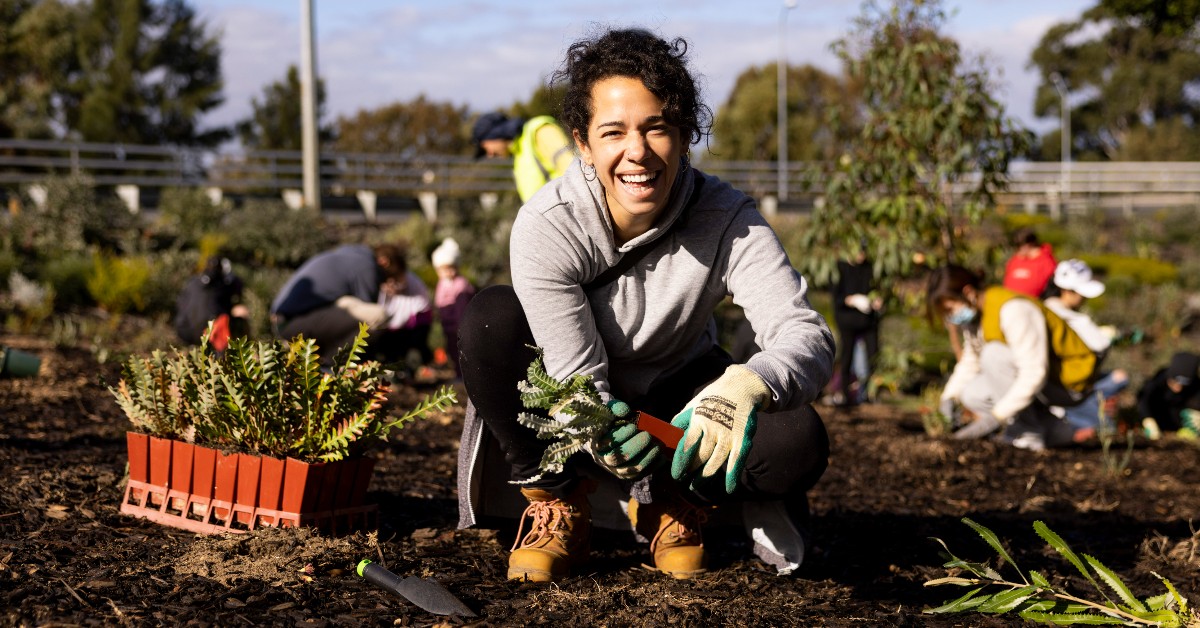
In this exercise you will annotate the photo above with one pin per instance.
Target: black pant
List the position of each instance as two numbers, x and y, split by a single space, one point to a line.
788 453
849 336
333 328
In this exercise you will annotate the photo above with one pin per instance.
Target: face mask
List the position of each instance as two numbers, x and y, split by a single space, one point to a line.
961 316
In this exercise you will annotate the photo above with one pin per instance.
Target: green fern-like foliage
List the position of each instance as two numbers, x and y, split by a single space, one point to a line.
1036 599
574 413
267 397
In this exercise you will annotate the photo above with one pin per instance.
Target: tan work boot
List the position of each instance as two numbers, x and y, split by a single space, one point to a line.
673 525
559 536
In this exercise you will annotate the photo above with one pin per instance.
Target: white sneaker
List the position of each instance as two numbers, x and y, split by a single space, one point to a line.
1030 440
777 540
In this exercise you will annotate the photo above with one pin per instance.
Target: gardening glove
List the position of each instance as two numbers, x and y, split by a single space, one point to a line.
860 302
946 407
1189 424
985 423
623 449
718 425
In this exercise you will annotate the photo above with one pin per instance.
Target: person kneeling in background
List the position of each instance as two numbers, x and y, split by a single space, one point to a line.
1170 400
214 296
1004 376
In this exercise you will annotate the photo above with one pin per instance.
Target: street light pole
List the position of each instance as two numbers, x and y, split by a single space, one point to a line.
781 91
1065 156
308 108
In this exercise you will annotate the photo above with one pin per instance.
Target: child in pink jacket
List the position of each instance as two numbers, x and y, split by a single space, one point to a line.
451 296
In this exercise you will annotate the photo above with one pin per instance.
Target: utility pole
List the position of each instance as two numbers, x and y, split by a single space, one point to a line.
1065 156
781 90
308 108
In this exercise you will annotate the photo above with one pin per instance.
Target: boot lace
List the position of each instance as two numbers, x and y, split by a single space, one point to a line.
684 528
548 518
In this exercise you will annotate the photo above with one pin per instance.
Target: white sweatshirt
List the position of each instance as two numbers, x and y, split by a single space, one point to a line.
1025 333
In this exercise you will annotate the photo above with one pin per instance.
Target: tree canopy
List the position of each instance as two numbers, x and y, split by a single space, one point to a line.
405 129
1132 71
275 123
746 126
926 124
131 71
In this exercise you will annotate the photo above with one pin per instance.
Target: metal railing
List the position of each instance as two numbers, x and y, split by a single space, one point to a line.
1034 184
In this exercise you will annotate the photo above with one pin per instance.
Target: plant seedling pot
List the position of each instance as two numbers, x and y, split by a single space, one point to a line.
14 363
203 490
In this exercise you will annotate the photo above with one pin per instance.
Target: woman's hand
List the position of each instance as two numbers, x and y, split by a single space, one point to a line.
718 425
624 450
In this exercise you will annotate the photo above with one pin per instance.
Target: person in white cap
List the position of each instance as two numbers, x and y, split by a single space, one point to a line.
1072 286
451 296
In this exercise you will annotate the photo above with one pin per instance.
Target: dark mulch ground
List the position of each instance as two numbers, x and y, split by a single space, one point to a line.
68 557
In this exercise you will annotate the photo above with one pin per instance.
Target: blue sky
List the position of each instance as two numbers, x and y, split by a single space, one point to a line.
489 54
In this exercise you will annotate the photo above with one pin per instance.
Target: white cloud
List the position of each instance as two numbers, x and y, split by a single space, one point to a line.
487 55
257 47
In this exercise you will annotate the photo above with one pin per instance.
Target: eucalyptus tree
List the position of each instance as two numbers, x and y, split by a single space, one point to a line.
417 127
274 122
1132 72
931 148
746 125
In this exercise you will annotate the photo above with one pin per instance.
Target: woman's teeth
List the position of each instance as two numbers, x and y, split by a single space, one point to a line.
639 178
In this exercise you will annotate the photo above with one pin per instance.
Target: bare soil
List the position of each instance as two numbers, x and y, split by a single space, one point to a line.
69 557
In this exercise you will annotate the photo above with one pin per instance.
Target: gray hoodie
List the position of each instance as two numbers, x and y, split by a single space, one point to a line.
658 316
650 321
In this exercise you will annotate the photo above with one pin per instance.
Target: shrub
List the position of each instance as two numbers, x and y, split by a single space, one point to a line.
266 397
188 214
118 284
31 303
1131 270
271 234
74 218
68 275
261 286
169 270
9 263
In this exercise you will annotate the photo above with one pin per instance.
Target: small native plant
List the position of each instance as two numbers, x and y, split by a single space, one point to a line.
1115 464
1035 599
933 421
266 397
576 415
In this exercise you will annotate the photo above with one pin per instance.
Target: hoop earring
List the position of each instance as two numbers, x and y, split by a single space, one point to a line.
685 161
589 171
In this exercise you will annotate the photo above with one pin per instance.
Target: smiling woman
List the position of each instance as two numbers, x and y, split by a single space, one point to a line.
634 152
617 268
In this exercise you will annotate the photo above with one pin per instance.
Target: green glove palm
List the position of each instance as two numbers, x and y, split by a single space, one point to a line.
718 425
623 449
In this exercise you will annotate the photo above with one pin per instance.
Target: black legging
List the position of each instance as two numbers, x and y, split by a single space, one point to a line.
849 336
788 453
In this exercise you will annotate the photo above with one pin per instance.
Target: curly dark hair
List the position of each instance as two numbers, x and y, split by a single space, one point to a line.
635 53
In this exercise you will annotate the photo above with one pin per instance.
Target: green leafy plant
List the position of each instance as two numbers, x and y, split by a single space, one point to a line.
1115 464
1034 598
575 412
31 302
932 420
118 283
266 397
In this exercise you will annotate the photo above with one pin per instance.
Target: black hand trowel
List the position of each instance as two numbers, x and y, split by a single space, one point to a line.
425 593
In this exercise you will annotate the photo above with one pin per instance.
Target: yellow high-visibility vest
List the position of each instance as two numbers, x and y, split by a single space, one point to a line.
531 170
